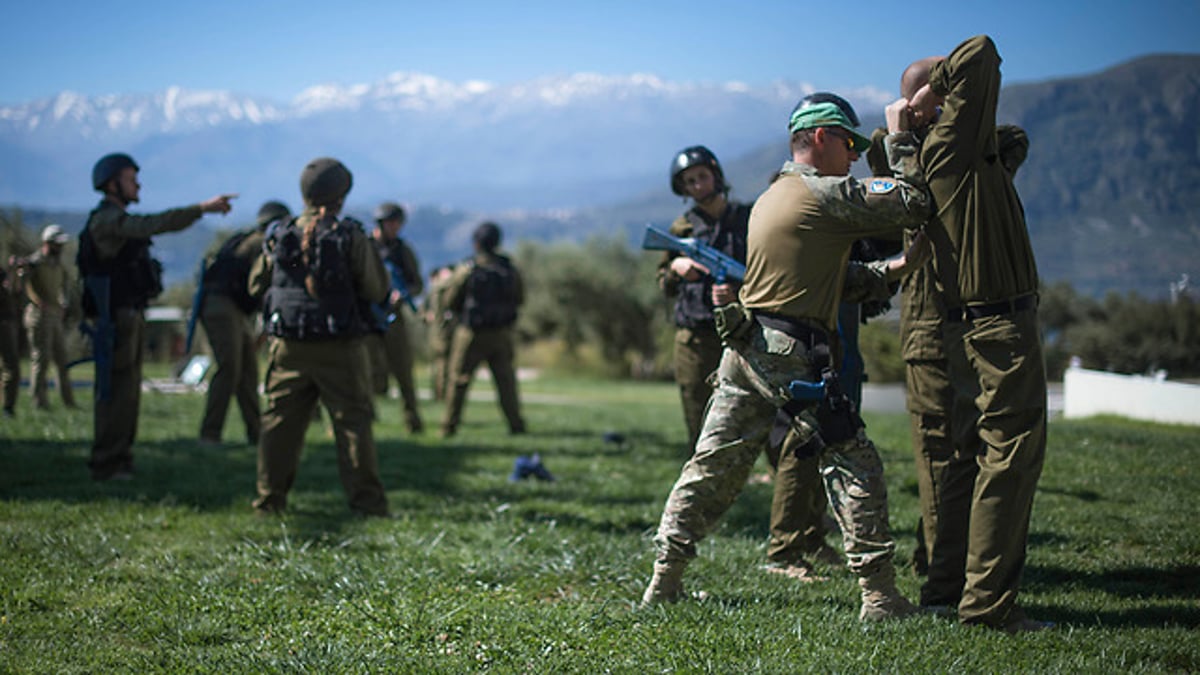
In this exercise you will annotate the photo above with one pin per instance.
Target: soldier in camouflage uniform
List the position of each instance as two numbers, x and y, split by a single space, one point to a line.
46 280
986 272
391 350
801 231
115 246
10 339
318 276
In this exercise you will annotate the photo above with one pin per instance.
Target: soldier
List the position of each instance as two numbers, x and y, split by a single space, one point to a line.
485 293
46 280
800 233
228 314
114 252
720 223
390 348
440 323
942 415
318 275
985 267
799 500
10 339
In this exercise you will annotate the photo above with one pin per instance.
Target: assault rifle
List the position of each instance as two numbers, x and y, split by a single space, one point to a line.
382 316
720 265
100 333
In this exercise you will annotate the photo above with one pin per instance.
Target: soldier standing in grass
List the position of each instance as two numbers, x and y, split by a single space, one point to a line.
228 313
10 339
114 249
485 293
986 270
800 234
797 530
318 275
46 280
440 323
391 350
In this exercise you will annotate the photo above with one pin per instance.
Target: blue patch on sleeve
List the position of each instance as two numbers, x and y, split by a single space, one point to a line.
881 186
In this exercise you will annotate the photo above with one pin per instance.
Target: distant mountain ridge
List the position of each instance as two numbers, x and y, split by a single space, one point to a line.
1109 185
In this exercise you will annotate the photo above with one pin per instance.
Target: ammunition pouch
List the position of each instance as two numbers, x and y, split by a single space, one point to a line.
733 321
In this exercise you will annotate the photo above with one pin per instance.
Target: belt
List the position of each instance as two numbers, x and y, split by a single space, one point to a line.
972 312
798 329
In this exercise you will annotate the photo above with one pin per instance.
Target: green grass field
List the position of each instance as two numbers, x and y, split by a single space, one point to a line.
173 572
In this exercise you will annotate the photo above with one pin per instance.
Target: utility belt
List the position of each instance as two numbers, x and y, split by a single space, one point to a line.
836 416
984 310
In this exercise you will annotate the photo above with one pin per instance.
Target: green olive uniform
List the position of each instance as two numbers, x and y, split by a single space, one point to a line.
471 347
801 231
986 270
334 371
233 337
115 420
697 346
10 339
442 323
46 281
391 351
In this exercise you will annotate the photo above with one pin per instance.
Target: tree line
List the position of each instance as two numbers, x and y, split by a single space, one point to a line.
594 307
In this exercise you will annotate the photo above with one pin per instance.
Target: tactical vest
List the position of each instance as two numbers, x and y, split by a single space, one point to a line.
134 276
229 275
693 305
288 309
490 296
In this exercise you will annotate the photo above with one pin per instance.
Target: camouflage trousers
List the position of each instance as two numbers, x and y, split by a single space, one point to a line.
751 385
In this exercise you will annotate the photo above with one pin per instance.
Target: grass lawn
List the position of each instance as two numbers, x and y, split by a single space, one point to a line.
173 572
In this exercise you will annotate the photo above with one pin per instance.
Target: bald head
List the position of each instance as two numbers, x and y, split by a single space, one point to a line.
916 75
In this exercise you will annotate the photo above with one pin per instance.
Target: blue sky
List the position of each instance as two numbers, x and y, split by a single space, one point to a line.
275 49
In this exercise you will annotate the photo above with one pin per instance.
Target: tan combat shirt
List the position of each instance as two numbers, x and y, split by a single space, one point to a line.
802 227
46 283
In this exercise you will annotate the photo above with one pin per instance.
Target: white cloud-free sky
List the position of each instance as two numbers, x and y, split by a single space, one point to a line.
277 48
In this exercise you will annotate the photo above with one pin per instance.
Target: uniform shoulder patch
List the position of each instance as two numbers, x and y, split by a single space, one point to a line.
880 186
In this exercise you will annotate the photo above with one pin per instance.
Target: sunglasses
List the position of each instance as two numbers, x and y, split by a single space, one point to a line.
835 131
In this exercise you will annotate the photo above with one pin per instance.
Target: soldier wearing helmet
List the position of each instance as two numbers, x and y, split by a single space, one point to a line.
391 351
318 275
714 219
798 244
229 312
114 255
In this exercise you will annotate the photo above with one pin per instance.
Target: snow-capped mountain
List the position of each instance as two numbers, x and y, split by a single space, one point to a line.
552 142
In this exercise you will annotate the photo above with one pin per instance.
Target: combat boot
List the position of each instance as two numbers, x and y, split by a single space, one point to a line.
667 584
880 599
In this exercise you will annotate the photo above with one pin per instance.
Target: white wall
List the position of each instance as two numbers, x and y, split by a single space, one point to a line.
1092 392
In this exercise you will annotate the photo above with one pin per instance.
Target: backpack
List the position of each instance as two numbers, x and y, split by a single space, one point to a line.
490 299
229 274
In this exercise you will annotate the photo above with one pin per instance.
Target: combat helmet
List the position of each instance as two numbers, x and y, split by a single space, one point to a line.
108 166
822 109
325 181
389 211
697 155
270 211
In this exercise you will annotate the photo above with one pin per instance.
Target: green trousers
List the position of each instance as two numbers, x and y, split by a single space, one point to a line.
231 336
335 373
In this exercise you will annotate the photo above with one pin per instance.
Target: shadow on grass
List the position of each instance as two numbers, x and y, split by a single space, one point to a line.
180 471
1180 581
